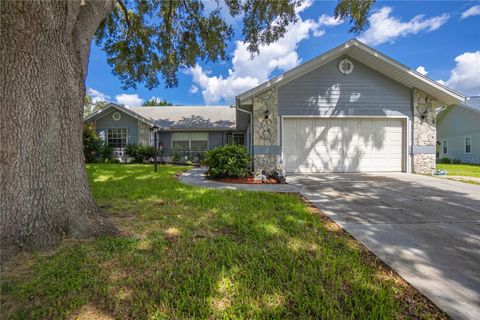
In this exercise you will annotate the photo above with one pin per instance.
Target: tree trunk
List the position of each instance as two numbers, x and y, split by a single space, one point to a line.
44 193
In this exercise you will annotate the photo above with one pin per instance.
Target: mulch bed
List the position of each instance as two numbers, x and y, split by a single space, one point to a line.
246 180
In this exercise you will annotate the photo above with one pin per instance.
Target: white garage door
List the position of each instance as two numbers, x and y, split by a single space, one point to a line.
342 145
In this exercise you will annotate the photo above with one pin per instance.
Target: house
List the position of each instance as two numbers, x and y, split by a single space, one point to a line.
458 131
182 130
351 109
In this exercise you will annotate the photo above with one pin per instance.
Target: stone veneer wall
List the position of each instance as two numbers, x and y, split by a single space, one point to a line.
265 132
143 133
424 133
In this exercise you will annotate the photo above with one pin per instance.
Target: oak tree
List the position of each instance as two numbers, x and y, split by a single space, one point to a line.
44 53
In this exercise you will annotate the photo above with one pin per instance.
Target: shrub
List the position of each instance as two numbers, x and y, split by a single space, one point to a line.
456 161
106 153
145 152
141 152
444 160
131 150
92 145
230 161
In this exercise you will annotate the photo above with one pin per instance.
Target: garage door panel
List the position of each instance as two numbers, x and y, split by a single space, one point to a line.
343 145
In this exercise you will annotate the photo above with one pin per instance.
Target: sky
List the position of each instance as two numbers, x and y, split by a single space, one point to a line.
440 39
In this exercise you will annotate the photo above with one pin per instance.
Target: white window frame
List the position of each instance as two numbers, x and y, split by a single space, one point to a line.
126 136
444 143
465 145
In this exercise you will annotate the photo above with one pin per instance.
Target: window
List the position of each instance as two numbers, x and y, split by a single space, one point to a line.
236 138
195 141
468 145
445 147
117 138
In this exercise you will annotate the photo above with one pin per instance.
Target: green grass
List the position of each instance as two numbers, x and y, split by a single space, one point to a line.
189 252
467 170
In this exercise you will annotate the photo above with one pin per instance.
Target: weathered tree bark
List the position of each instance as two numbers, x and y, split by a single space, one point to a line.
44 194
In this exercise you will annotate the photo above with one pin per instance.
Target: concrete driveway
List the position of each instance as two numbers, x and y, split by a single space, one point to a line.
427 229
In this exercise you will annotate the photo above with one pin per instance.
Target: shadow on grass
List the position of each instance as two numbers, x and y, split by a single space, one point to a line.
200 253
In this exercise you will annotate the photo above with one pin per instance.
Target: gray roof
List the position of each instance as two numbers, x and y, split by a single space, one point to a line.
190 117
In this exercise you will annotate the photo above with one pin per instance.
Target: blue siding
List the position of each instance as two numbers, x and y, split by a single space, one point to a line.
326 91
454 125
126 121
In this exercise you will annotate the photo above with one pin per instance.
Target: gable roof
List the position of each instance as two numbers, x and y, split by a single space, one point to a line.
190 117
102 112
177 117
370 57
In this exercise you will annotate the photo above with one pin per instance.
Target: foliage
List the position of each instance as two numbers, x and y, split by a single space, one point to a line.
92 107
153 102
356 10
106 153
175 155
145 39
444 160
456 161
189 252
229 161
92 145
141 152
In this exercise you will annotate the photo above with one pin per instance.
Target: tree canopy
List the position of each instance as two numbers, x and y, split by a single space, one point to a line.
156 102
147 41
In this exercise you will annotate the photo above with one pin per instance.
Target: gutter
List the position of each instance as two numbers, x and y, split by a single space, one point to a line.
237 106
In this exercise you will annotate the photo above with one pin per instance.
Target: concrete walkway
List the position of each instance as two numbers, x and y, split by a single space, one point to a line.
426 229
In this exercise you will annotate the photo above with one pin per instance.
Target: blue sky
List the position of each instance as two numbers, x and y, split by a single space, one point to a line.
441 38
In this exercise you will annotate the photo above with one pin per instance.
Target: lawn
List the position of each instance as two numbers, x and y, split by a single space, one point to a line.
467 170
189 252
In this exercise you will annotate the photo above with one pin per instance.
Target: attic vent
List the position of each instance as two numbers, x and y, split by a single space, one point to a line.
116 116
345 66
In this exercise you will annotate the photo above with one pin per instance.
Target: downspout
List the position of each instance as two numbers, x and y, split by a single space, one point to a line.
237 106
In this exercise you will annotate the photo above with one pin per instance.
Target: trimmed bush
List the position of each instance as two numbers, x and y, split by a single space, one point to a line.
230 161
141 152
445 160
92 145
106 153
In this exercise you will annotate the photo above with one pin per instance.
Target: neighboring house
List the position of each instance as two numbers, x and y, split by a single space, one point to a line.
352 109
458 131
183 130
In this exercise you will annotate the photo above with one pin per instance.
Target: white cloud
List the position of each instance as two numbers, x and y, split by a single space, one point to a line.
130 100
441 82
193 89
246 73
385 28
473 11
325 21
465 77
97 96
421 70
331 21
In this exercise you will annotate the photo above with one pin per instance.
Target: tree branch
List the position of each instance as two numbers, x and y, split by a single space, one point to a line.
125 12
